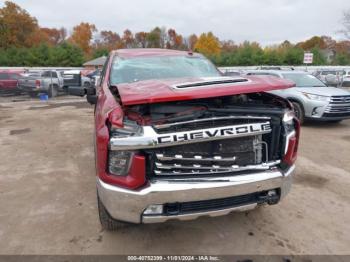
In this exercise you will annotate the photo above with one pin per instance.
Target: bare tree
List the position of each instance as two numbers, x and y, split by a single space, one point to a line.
346 24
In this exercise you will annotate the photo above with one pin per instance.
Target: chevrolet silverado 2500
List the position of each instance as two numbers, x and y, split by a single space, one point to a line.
174 139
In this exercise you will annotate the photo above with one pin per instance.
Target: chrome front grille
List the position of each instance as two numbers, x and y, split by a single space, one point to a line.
176 169
340 99
338 106
214 157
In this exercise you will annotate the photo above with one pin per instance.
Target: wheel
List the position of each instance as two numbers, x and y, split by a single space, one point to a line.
299 112
53 91
108 222
33 94
87 84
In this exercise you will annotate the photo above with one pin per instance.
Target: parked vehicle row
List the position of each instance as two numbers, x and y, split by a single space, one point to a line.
50 82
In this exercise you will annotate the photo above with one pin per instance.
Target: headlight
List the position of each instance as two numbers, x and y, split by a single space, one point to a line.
289 127
317 97
288 117
119 162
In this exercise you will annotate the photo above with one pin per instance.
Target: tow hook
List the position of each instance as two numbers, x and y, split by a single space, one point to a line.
270 198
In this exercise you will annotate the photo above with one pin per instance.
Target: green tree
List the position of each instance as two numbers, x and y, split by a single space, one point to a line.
67 54
272 57
249 54
100 52
342 59
318 58
293 56
153 38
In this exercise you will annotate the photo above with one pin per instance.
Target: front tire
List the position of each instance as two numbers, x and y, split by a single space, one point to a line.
87 84
108 222
299 112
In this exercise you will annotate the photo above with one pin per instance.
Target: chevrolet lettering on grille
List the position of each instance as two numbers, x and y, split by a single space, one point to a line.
215 132
149 138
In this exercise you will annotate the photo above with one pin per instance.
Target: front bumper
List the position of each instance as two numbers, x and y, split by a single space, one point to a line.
11 90
31 89
129 205
326 111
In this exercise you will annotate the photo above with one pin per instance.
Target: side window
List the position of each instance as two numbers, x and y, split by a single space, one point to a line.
103 73
54 74
46 74
3 76
14 76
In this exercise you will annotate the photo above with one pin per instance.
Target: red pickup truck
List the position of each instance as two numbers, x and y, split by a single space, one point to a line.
8 82
174 139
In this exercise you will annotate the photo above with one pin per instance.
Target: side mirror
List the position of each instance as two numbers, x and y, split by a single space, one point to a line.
76 91
97 80
91 96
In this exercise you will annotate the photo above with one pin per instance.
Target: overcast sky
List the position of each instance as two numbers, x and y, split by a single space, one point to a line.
265 21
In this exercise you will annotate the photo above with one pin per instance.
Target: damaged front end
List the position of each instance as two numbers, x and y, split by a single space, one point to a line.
201 138
185 159
176 140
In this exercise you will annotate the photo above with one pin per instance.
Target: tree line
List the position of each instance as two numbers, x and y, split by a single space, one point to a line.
24 43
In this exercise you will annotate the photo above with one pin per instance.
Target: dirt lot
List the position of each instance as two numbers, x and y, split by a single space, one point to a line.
48 198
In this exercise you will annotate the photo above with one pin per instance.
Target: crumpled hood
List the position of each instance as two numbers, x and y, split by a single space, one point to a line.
323 91
156 91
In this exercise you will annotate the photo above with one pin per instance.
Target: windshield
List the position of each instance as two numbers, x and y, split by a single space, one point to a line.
160 67
304 80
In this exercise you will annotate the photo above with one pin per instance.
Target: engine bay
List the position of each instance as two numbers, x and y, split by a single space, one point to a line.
237 105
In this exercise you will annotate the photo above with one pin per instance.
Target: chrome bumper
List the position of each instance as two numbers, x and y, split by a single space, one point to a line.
129 205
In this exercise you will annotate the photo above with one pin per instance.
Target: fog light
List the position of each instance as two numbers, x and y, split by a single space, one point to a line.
154 210
315 112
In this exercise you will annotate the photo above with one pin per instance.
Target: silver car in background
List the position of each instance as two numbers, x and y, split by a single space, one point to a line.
311 98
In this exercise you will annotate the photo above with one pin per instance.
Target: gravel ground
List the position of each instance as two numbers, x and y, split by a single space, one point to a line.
48 197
